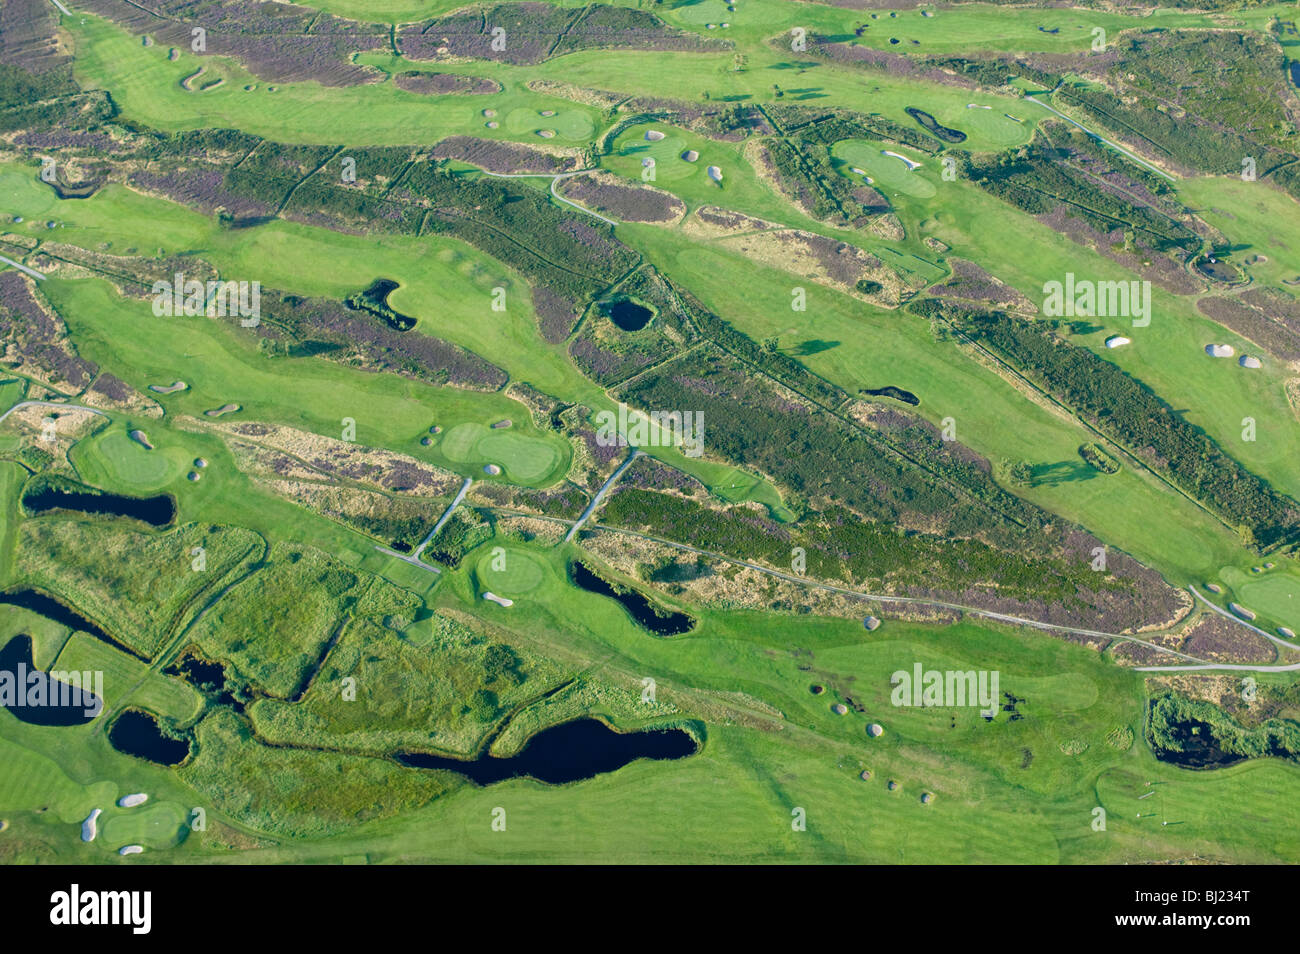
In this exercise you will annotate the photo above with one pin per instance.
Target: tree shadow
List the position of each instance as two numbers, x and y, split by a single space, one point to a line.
813 346
1061 472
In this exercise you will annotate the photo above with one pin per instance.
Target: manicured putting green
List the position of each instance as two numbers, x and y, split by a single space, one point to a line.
666 152
992 124
889 174
1273 594
520 456
154 825
567 123
129 462
509 572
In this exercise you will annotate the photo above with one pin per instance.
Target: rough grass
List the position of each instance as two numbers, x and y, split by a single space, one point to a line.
137 585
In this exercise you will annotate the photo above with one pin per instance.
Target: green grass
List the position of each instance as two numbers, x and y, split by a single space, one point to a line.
890 175
1273 594
125 461
129 680
511 572
573 125
154 825
136 584
1006 791
275 624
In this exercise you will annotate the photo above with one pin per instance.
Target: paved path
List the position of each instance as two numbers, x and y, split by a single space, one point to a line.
446 515
414 558
76 407
554 179
1118 148
600 494
23 268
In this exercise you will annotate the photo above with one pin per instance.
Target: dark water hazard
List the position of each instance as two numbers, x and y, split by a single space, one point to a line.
137 733
374 300
36 698
156 511
1295 73
627 314
47 606
933 126
565 753
655 618
1199 747
1220 271
205 675
898 394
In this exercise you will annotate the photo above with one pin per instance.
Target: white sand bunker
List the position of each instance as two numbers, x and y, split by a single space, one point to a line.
714 173
489 113
871 623
875 730
499 600
131 801
1219 351
858 172
840 709
1249 361
492 125
1241 611
1214 587
200 462
1286 631
548 112
977 106
131 850
911 164
505 422
141 438
89 828
653 135
546 133
1117 341
1014 119
224 409
690 155
492 469
194 476
169 389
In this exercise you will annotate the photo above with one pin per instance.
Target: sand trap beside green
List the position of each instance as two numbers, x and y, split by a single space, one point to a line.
523 457
889 174
509 572
1273 594
666 152
567 123
154 825
992 124
520 456
130 463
